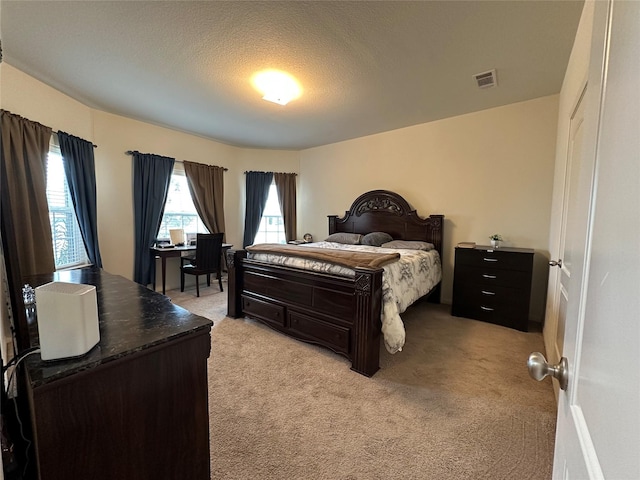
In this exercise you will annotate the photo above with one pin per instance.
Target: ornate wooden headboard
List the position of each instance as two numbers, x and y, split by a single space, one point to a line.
385 211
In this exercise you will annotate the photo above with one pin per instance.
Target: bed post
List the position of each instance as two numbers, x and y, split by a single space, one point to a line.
366 325
332 223
235 283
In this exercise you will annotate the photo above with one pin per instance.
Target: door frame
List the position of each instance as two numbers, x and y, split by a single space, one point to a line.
553 344
573 90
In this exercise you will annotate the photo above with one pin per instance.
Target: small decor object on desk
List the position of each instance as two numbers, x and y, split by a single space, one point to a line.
28 295
496 238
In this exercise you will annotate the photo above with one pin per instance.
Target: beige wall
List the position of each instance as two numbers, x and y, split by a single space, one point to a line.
114 135
487 172
32 99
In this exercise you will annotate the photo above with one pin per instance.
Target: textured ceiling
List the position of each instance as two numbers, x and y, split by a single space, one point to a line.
365 67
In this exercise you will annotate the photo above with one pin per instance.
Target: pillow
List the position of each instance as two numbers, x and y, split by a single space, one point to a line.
344 237
375 239
409 245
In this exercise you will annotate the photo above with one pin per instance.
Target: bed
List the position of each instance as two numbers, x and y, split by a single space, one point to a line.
330 308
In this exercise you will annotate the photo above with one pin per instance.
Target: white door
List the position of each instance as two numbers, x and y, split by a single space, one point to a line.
598 432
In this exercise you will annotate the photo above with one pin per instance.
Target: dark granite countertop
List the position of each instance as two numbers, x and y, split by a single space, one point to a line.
131 318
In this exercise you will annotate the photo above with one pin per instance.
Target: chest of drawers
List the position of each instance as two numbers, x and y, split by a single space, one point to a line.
493 285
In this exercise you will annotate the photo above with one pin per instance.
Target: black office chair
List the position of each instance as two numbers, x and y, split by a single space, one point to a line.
208 256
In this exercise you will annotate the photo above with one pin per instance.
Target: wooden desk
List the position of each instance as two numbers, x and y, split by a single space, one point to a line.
135 406
164 253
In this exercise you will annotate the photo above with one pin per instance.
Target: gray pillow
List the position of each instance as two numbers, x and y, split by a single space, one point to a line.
344 237
376 239
409 244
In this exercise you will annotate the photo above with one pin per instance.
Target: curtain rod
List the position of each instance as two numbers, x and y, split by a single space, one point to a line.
273 172
58 131
131 152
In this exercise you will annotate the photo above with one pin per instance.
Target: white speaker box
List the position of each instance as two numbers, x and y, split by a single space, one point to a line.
67 319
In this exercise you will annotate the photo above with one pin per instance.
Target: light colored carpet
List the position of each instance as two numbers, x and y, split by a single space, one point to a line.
456 403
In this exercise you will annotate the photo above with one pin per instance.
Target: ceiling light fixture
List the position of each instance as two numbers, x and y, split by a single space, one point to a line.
276 86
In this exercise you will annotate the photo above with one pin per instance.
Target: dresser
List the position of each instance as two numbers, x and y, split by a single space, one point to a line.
136 405
493 285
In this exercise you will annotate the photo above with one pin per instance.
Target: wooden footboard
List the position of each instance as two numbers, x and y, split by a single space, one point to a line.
339 313
342 314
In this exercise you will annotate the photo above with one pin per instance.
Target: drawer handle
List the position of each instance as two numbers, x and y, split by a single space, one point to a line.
486 309
485 292
488 276
490 259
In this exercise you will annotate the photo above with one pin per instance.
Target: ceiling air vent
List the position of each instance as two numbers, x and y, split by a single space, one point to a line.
486 79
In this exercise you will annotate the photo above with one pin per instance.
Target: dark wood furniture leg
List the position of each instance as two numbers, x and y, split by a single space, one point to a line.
234 281
164 272
365 358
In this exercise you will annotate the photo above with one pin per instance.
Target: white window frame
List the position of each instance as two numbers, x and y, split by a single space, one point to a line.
61 212
186 201
271 229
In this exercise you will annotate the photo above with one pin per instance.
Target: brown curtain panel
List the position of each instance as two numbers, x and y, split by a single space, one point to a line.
25 145
206 184
286 187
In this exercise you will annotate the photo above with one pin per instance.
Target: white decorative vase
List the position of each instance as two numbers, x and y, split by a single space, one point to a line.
495 243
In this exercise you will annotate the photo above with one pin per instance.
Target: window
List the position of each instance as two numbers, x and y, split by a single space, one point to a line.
179 211
68 246
272 224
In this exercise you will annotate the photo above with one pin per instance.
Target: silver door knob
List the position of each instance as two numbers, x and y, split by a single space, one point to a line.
539 369
555 263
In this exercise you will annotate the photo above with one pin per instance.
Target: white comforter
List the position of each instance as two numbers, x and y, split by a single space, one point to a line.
403 282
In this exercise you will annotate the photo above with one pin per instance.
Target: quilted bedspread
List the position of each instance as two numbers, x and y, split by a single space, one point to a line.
404 281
